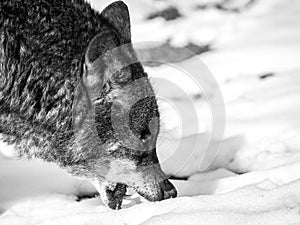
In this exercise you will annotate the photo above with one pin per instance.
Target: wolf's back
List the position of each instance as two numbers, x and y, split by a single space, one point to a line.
42 44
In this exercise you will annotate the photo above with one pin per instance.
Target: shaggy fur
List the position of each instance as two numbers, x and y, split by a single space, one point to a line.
42 46
49 53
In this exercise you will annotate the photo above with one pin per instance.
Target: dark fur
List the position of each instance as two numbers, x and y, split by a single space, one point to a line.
43 44
42 47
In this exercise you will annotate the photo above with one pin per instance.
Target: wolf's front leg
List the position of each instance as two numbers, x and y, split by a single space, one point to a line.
112 194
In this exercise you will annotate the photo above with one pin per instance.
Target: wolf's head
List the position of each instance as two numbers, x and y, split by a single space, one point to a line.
116 117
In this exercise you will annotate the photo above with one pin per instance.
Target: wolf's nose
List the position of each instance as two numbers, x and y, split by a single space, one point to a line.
168 190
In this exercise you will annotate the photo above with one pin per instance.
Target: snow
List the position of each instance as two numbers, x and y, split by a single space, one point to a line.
248 205
248 175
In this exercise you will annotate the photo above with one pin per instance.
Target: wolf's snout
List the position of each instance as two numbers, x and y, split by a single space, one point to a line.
155 186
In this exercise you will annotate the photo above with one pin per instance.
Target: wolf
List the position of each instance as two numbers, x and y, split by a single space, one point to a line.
66 95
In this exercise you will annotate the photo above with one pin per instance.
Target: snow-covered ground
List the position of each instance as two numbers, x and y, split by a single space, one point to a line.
254 179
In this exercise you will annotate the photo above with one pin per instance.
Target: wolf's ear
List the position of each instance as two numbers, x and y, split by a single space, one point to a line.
106 59
103 60
96 66
117 15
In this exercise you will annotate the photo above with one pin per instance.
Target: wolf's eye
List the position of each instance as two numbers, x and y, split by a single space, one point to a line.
145 134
